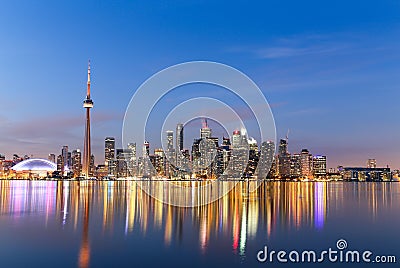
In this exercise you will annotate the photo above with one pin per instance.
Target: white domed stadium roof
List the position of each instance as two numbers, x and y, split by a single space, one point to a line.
35 164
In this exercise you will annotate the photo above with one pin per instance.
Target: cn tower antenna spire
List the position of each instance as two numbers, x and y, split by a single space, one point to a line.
88 81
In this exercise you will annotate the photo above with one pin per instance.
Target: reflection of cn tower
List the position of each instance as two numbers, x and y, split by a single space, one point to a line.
87 104
84 252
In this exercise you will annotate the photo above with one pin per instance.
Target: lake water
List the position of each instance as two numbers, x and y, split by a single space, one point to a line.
116 224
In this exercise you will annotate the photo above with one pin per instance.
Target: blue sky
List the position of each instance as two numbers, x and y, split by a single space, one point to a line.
329 69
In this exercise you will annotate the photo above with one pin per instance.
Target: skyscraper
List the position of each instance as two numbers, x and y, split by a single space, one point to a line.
146 164
236 139
207 148
253 158
159 161
109 150
52 158
267 152
146 149
179 137
319 166
170 140
179 144
295 165
170 152
306 163
283 159
87 150
69 160
226 152
60 163
239 154
283 147
132 163
205 131
76 162
122 157
64 154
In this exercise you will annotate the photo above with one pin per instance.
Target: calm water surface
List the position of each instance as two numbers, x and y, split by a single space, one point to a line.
116 224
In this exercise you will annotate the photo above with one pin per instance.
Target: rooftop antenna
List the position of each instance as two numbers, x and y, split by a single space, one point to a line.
204 123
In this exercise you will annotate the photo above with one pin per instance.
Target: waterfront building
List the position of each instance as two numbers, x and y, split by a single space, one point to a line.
34 168
319 166
101 171
367 174
371 163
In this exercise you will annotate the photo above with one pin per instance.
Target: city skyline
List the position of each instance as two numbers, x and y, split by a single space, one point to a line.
332 85
109 152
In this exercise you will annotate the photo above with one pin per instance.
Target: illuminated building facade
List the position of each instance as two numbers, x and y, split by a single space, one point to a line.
76 162
132 163
34 168
283 159
52 158
319 166
267 152
109 150
367 174
295 165
64 154
306 163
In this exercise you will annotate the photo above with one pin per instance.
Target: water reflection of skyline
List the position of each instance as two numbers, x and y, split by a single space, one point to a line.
239 216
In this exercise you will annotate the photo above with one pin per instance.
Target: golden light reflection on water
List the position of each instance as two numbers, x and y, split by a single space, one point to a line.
239 215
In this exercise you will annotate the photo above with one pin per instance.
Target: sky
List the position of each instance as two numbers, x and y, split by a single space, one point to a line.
329 69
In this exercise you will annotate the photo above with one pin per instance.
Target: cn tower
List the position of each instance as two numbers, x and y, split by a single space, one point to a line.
87 152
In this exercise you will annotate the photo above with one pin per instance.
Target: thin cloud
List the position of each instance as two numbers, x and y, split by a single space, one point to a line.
284 51
297 45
